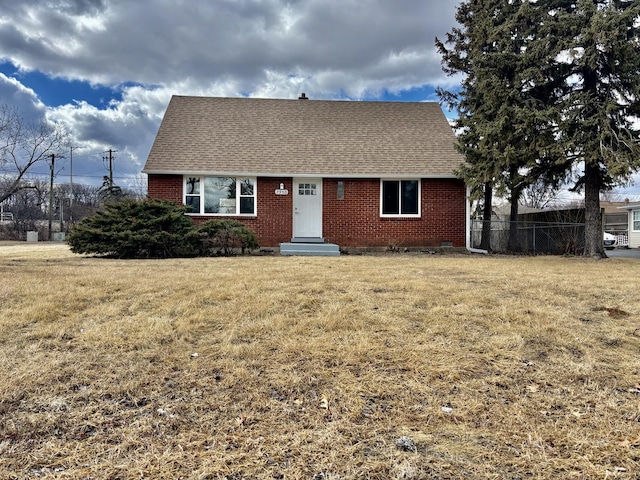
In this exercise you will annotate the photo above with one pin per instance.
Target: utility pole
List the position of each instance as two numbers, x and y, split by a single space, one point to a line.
71 176
53 159
110 169
71 187
111 152
61 212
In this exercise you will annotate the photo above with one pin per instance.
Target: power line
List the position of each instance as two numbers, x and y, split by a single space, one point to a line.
116 178
93 174
107 156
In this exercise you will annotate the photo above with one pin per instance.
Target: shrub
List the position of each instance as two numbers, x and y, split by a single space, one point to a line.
133 229
224 237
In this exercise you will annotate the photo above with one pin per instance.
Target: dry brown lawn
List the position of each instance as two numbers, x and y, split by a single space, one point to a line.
381 367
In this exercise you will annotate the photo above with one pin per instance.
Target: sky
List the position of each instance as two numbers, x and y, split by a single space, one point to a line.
106 69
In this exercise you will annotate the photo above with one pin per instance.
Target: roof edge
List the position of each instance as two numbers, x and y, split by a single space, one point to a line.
631 206
302 175
297 99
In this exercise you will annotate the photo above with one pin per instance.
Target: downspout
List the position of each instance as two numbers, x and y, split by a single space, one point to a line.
468 214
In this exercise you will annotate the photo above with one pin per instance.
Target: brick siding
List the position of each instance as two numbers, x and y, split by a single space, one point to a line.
353 221
165 187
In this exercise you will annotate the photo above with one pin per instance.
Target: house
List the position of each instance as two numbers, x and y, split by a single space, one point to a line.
615 220
633 210
356 174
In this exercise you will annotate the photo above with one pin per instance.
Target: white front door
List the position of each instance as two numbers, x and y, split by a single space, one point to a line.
307 207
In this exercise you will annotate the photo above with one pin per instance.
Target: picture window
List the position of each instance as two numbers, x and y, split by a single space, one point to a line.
220 195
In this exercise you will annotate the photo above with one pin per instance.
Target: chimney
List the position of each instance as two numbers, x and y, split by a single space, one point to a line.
303 96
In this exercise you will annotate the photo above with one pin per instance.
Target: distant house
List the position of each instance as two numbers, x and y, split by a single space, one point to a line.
633 210
615 220
356 174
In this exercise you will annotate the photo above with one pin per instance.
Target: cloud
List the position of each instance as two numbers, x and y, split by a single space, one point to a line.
23 99
148 50
165 41
128 127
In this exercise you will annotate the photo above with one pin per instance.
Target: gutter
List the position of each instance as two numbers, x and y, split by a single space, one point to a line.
390 176
470 249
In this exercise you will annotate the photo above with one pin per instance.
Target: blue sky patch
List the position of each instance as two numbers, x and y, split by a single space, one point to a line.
54 92
420 94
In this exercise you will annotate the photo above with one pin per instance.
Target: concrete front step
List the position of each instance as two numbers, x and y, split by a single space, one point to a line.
307 240
310 249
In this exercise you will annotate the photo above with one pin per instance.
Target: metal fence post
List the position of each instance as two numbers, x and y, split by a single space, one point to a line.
534 238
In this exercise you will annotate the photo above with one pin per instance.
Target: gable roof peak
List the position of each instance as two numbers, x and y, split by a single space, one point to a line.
323 138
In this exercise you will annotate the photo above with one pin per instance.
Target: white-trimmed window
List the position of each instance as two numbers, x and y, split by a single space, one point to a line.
635 220
400 198
220 195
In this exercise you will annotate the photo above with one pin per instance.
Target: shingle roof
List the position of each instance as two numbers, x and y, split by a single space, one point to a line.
267 137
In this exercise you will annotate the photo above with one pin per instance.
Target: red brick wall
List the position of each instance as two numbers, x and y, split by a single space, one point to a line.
272 225
274 222
354 221
165 187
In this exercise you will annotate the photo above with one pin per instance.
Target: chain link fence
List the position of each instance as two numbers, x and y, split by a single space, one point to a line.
532 237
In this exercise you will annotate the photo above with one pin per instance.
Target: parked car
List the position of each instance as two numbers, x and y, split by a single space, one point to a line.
610 241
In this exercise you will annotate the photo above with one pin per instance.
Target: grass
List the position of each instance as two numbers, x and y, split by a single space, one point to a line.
381 367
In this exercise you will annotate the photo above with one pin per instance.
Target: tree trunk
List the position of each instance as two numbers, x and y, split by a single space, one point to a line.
485 240
514 245
593 242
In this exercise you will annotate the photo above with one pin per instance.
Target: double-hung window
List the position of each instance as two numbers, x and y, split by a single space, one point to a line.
635 221
400 198
220 195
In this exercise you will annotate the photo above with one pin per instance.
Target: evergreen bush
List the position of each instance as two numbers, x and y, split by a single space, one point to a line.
133 229
224 237
156 229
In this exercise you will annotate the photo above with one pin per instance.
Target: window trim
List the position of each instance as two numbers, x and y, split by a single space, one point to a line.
239 196
399 214
634 214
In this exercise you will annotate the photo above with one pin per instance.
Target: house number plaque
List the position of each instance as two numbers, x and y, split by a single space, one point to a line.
282 190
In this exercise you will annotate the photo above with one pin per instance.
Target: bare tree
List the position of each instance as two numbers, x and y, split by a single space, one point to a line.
540 195
137 188
24 144
614 196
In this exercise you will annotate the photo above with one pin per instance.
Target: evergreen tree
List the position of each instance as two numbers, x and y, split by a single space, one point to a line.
551 87
504 113
109 191
597 59
469 43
